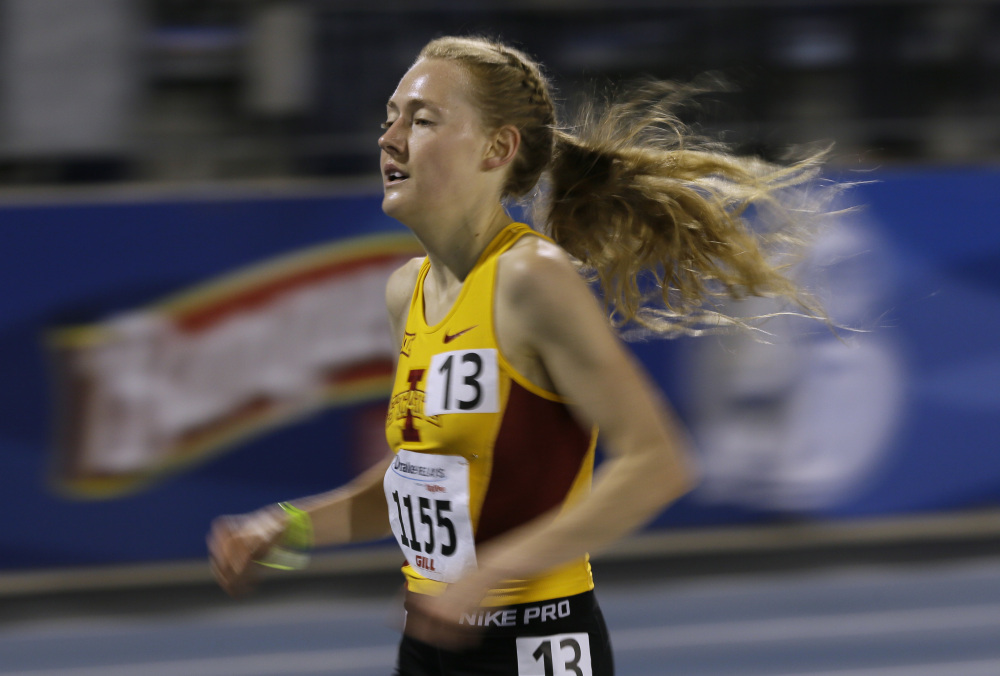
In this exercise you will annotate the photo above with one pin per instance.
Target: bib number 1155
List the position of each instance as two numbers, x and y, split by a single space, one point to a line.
433 518
428 499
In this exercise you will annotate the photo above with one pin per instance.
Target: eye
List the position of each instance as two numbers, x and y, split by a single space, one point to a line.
422 122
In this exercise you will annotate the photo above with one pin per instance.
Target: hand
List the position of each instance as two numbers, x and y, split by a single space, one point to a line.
235 542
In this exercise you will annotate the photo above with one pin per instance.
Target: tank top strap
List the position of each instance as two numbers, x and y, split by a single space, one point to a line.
484 273
481 282
479 285
507 237
416 316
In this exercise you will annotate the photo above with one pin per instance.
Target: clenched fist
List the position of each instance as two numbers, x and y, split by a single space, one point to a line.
235 542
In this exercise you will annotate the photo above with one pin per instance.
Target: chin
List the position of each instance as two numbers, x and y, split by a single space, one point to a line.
392 208
389 203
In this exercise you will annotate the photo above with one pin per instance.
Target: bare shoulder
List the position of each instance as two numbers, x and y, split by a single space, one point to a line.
537 290
398 292
399 288
541 299
536 270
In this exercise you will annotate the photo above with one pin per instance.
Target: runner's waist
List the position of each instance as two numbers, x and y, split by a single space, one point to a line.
567 580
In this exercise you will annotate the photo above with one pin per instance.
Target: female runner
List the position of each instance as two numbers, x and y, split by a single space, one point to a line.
508 366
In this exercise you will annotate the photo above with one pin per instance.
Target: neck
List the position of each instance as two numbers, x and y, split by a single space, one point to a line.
453 249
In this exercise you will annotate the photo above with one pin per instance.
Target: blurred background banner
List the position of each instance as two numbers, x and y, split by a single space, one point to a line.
164 385
166 360
192 253
145 336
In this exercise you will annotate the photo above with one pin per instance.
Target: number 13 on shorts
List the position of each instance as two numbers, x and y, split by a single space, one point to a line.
558 655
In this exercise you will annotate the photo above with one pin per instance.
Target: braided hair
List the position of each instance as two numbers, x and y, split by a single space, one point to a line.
653 213
510 89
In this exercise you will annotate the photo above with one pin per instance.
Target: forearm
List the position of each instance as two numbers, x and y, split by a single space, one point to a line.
354 513
628 491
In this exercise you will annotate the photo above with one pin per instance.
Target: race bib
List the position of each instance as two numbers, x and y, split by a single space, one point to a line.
463 381
428 499
558 655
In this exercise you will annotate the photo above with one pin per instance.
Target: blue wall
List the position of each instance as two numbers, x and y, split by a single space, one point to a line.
68 263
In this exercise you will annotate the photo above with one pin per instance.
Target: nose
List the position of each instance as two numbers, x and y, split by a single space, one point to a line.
391 141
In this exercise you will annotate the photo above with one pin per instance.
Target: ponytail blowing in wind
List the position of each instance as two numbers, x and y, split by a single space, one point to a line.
657 215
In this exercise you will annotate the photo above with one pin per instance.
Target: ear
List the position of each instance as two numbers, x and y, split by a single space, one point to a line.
503 149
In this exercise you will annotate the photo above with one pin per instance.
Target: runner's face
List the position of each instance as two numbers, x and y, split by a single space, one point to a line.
434 145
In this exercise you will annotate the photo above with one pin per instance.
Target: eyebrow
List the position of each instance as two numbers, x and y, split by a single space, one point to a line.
414 104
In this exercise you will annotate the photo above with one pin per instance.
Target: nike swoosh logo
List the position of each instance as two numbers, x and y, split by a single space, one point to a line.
448 339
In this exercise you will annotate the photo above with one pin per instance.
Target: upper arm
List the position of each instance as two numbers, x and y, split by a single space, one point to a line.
555 314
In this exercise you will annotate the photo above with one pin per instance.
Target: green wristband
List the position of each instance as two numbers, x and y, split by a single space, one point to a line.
299 529
292 553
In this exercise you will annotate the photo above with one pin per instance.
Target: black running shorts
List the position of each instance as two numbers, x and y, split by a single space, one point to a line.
559 637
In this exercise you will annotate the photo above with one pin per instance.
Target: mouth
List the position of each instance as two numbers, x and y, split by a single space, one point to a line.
394 175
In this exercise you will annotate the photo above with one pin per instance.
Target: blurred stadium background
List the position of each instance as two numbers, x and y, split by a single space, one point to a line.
191 262
222 89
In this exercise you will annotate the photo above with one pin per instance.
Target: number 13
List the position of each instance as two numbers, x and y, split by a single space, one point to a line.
559 655
463 381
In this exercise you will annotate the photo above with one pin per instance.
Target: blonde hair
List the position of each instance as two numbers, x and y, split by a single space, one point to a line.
654 213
